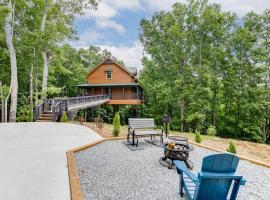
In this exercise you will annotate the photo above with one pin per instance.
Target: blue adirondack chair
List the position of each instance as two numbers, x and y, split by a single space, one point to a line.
214 181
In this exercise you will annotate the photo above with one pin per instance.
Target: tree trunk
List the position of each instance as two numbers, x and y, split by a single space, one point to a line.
6 107
214 116
36 77
182 112
31 91
44 52
45 74
2 103
13 62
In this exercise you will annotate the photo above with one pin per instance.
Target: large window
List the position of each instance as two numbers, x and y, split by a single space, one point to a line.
108 74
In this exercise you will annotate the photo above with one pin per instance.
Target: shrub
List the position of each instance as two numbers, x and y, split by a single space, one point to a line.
25 114
198 137
64 117
116 124
211 130
231 148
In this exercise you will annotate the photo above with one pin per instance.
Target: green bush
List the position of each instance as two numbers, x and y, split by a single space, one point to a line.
211 130
231 148
116 124
198 137
25 114
64 117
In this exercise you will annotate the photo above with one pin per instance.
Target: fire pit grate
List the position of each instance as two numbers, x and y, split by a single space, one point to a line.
176 151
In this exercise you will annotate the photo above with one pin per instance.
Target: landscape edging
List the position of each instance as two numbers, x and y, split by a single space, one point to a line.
76 192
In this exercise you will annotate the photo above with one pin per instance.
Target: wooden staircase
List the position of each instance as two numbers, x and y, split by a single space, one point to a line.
45 117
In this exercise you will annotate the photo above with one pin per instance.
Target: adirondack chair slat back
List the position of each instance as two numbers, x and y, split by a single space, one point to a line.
141 123
212 188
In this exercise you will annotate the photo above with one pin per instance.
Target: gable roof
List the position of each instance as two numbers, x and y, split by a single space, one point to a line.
132 70
109 61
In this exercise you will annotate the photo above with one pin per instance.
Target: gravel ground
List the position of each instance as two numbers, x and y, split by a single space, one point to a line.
111 171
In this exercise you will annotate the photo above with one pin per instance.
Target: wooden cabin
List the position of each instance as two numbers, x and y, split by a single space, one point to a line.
118 82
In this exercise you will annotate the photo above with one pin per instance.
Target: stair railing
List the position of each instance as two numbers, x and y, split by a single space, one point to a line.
57 110
38 110
58 106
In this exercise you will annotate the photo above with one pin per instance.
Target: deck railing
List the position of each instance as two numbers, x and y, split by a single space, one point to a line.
39 109
66 104
84 99
121 96
59 105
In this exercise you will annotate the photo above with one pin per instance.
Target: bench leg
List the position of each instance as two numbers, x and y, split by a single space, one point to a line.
161 138
133 139
128 137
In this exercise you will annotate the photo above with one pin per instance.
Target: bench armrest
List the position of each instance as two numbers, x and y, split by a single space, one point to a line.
181 167
130 129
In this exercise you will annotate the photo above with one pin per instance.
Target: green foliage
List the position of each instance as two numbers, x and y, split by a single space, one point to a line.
116 124
196 120
206 65
211 130
231 148
198 137
64 117
25 114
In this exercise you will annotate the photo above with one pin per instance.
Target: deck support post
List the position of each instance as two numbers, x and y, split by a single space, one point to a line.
115 109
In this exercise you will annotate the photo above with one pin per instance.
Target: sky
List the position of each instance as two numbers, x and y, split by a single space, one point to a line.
115 25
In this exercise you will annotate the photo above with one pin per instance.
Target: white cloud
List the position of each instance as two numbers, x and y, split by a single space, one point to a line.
131 55
158 5
108 9
242 7
88 36
106 23
104 10
125 4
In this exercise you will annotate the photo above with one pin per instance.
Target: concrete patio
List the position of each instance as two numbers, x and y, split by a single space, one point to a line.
33 159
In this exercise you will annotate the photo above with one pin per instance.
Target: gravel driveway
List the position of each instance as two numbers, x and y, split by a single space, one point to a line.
111 171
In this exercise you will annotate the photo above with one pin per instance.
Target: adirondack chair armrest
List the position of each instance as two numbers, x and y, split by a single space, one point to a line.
203 174
181 167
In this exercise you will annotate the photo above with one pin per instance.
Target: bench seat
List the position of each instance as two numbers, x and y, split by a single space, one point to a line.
142 127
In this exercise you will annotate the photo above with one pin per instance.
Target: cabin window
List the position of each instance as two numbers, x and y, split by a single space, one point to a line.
108 74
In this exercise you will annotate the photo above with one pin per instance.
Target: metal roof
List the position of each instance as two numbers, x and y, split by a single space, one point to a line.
132 70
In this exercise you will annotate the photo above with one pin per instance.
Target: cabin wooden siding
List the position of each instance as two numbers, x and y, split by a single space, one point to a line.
119 75
122 88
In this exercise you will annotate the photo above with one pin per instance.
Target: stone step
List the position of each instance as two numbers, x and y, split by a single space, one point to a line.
46 115
45 118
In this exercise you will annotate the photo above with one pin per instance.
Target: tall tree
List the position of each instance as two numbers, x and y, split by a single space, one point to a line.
59 16
9 33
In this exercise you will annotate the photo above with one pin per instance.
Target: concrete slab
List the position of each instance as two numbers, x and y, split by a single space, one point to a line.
33 162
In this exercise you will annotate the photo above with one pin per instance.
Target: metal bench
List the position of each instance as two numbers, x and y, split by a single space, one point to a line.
142 127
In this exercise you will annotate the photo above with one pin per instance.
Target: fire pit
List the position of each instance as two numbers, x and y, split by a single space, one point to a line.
176 151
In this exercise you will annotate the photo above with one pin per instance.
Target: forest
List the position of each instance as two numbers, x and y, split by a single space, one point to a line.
205 67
